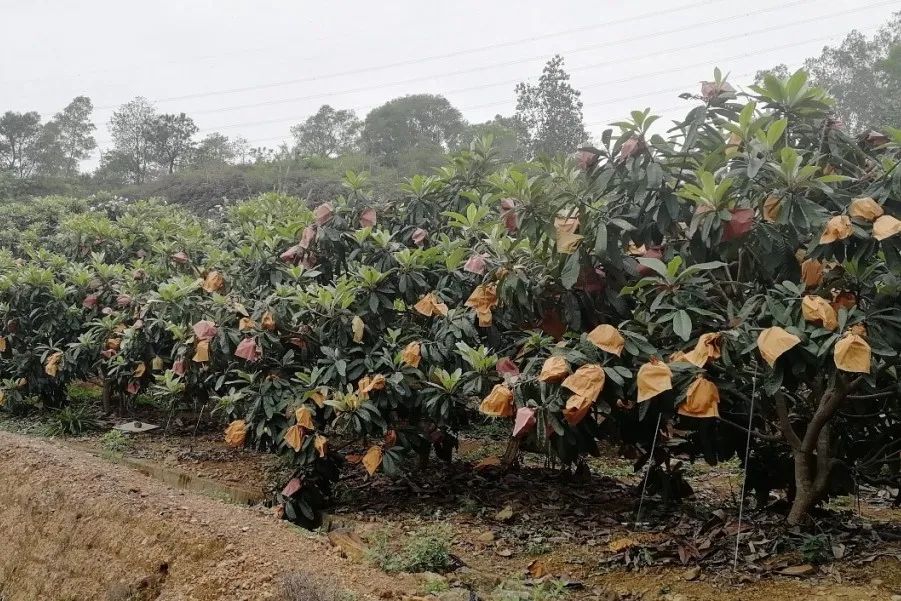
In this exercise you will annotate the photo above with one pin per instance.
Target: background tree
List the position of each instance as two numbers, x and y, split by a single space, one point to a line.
863 75
240 147
506 135
132 152
75 134
411 124
328 133
20 142
213 150
549 114
779 71
171 139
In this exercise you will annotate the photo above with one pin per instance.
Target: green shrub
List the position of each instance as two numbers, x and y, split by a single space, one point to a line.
72 421
115 442
426 550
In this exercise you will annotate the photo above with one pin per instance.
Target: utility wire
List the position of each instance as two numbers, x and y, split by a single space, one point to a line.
591 85
606 82
373 68
505 44
609 62
515 81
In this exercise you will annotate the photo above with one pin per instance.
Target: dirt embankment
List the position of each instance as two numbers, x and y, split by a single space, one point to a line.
76 527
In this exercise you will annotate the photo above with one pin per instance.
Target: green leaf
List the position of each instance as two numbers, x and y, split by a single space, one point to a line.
682 325
672 268
571 270
656 264
774 132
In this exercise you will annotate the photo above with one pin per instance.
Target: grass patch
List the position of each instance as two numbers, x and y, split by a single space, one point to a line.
72 421
115 442
84 393
515 590
302 587
613 467
426 550
435 586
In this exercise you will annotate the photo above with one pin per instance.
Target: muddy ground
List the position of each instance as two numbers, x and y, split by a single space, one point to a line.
161 519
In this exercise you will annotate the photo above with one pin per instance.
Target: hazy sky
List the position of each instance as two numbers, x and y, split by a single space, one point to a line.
255 68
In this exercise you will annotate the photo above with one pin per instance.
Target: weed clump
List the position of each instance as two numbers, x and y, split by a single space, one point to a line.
427 550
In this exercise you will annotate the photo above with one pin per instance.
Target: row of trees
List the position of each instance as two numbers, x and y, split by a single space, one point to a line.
413 130
741 275
407 134
29 146
146 143
548 121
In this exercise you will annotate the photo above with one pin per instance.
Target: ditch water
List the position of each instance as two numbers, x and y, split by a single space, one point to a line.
183 480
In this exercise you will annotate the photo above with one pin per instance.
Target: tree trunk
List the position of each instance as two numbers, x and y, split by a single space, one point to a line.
804 495
511 453
107 396
811 476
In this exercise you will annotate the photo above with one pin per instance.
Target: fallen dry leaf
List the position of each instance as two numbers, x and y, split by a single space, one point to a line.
349 542
536 569
487 462
621 544
799 570
505 514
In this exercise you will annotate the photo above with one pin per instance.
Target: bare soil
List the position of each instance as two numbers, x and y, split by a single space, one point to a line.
76 525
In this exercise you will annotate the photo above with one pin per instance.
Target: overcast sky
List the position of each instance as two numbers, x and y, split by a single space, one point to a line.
256 68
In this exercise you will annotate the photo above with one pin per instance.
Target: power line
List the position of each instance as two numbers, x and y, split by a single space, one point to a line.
628 78
408 62
501 83
591 85
593 66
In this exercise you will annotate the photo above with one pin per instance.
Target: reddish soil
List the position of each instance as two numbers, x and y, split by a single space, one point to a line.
78 526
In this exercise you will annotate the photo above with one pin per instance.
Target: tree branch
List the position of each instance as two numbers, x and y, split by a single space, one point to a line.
755 433
829 404
788 433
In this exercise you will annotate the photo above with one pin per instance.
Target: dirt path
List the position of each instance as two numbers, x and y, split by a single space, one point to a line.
76 527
